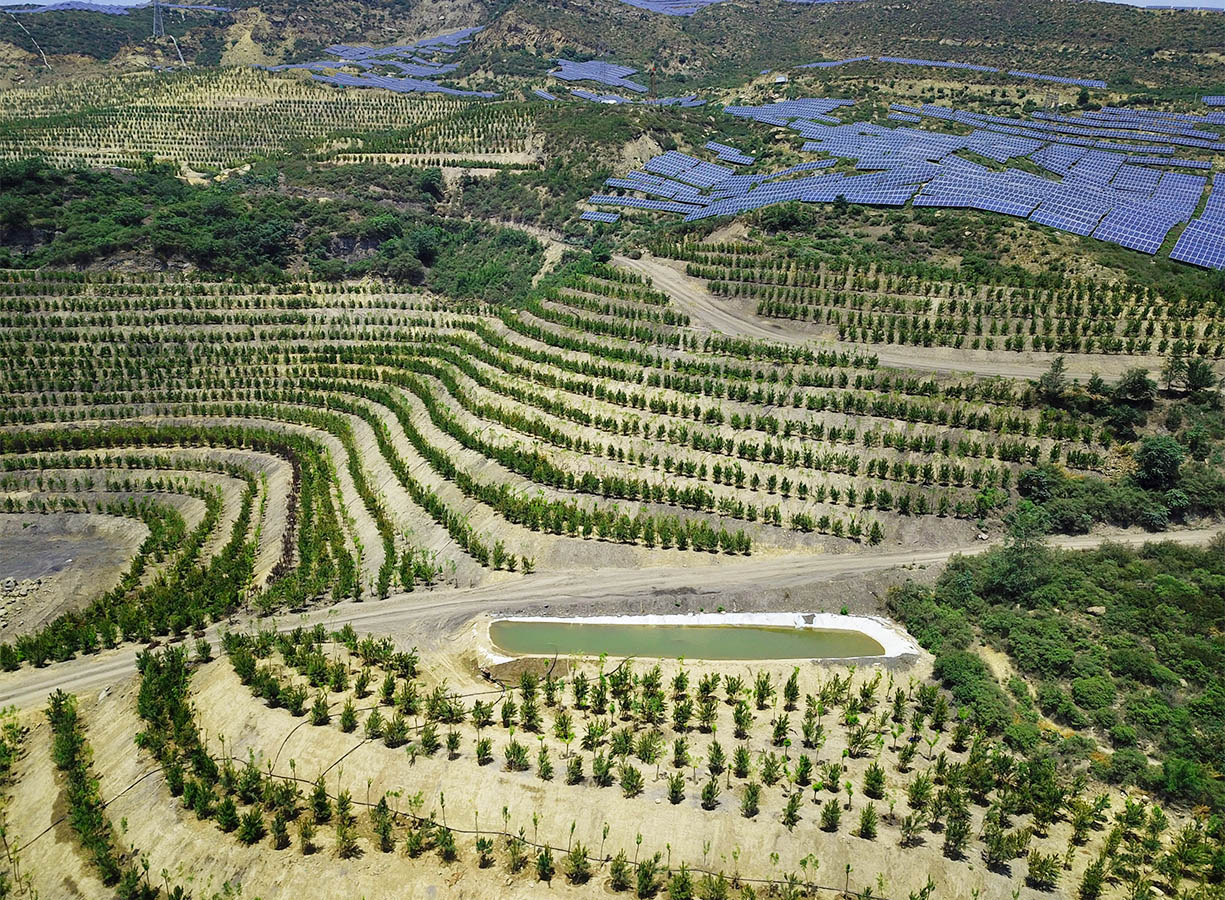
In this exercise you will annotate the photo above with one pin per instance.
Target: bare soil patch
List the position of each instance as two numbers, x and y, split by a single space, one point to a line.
54 563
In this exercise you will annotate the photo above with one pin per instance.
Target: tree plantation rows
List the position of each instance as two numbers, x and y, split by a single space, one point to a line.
431 442
313 555
873 305
224 117
319 399
652 415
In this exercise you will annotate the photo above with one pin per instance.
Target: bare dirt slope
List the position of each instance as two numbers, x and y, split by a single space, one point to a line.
53 563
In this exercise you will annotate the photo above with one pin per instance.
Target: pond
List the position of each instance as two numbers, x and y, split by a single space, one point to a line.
749 640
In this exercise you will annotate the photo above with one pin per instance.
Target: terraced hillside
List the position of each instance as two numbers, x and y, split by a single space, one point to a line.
219 118
313 374
591 424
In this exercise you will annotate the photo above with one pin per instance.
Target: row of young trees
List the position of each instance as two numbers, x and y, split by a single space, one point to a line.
887 281
867 307
205 117
86 810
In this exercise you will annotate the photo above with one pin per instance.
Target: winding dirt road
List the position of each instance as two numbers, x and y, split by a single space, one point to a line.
30 687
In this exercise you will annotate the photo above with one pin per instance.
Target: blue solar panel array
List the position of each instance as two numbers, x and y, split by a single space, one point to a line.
1079 82
399 85
599 215
612 99
672 7
784 112
1090 187
688 102
413 61
1166 161
1215 100
600 72
689 7
543 94
934 64
730 154
834 63
1202 243
970 67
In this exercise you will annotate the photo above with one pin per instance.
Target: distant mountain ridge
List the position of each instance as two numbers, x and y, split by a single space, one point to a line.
722 42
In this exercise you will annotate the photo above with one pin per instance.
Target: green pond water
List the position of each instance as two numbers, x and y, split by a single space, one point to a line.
671 641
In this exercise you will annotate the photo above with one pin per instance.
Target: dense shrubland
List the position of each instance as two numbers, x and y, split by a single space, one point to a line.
1124 646
50 217
1174 451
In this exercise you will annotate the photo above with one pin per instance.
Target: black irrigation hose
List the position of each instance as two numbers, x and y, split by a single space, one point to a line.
105 804
305 721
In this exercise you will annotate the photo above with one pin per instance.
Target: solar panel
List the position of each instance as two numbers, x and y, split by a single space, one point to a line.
688 102
1136 178
611 99
1071 210
670 163
837 62
600 72
639 203
1202 243
1136 229
409 60
599 215
1118 192
1080 82
933 64
729 154
1163 161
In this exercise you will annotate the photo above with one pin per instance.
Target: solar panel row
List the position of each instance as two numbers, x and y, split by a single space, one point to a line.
399 85
410 60
600 72
833 63
729 154
1081 82
1202 243
598 215
933 64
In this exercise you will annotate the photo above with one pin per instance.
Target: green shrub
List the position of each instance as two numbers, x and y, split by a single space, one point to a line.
1092 693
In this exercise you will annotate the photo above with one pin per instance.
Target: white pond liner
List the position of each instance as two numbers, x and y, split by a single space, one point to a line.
891 636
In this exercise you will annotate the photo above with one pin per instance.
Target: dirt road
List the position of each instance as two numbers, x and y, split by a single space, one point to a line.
29 687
